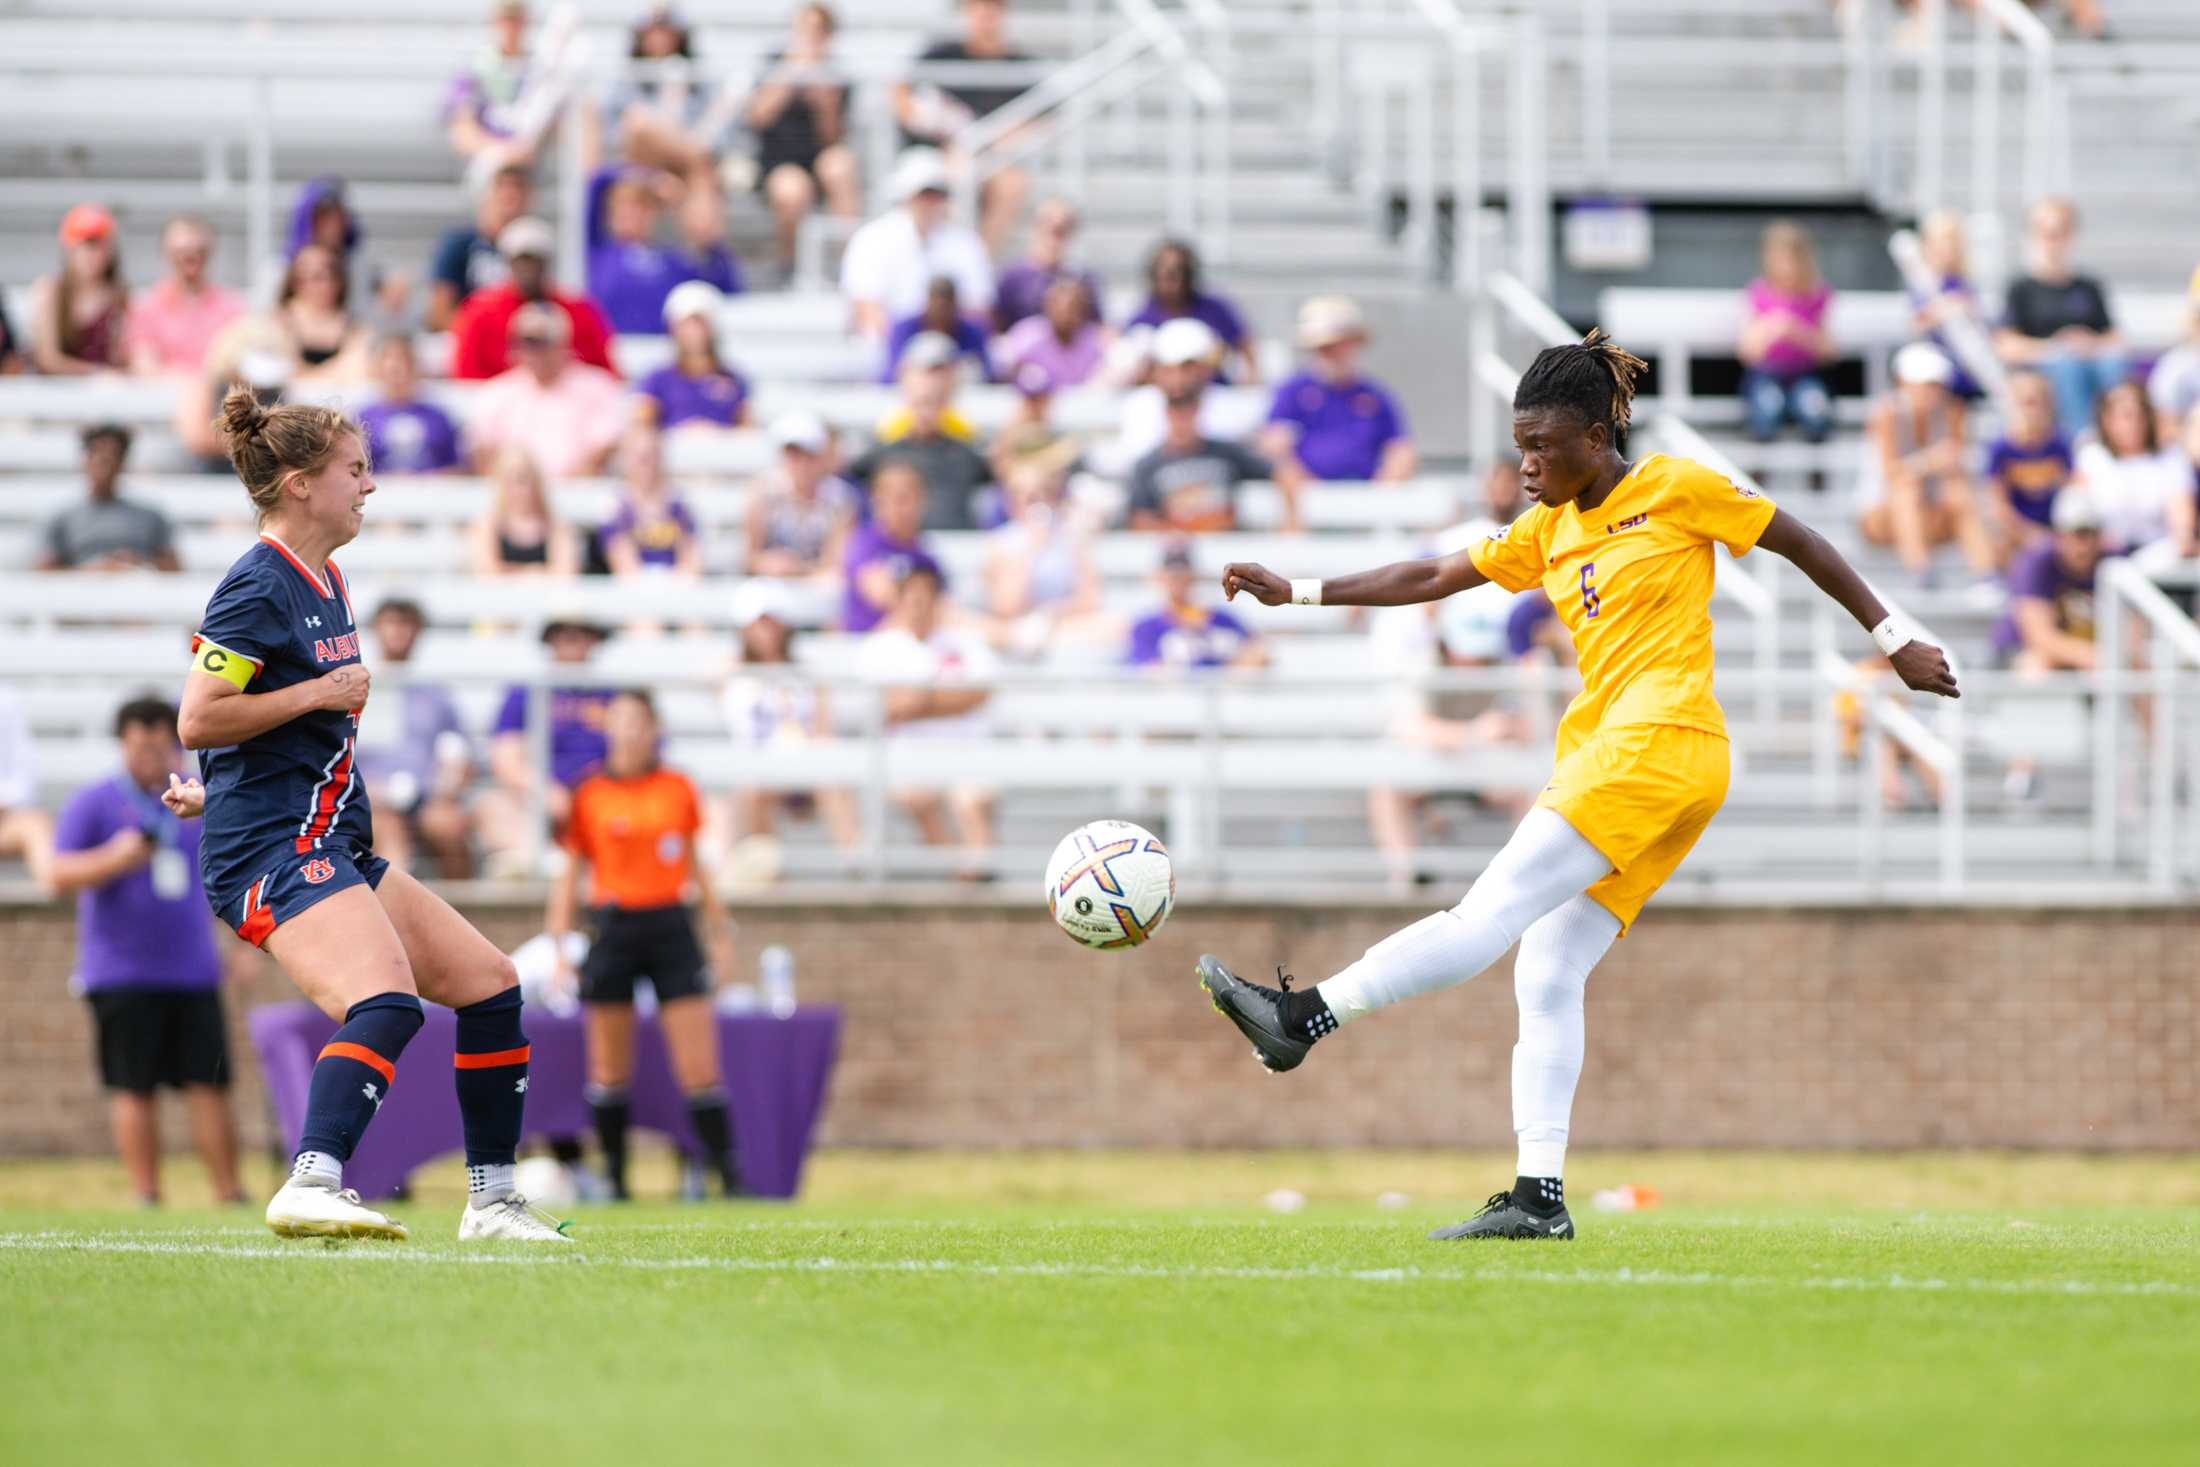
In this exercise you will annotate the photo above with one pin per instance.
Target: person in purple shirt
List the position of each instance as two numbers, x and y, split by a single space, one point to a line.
943 313
404 434
1021 291
2029 463
629 272
2049 623
883 549
695 386
1185 633
652 531
575 740
146 959
1335 422
1174 289
1065 340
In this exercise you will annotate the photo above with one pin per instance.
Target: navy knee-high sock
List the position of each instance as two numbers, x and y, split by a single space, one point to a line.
354 1072
492 1079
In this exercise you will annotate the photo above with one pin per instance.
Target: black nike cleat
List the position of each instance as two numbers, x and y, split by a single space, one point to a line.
1502 1217
1257 1012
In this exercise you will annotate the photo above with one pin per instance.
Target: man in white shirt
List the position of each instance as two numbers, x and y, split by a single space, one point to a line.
891 262
933 679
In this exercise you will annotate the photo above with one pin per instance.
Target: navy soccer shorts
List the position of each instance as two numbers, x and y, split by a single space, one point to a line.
287 882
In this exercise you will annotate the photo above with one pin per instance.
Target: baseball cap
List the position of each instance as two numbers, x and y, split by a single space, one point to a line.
1183 340
87 221
929 349
527 236
759 597
919 171
2074 512
1923 363
800 428
1325 320
540 321
693 298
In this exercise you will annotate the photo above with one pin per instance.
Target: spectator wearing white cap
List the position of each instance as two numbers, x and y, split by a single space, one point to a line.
945 313
481 330
892 261
567 415
1925 495
800 511
770 704
1334 421
1177 358
933 112
468 258
695 387
925 431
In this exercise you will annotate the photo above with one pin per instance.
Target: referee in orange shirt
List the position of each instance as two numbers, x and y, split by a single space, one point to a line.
633 826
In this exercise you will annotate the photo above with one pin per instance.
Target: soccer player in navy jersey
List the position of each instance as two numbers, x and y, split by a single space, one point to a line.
273 701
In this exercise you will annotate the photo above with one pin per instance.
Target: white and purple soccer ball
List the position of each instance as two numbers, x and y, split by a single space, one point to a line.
1110 884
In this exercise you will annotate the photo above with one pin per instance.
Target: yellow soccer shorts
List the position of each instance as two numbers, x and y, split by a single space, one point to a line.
1640 794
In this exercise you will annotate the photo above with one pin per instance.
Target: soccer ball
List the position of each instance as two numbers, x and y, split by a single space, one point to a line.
1110 884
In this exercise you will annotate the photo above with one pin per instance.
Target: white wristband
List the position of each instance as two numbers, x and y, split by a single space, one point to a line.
1306 593
1892 635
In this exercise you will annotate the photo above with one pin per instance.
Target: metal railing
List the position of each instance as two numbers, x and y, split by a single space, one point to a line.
2145 688
2046 161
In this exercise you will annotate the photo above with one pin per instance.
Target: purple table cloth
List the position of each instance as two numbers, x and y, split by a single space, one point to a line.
775 1071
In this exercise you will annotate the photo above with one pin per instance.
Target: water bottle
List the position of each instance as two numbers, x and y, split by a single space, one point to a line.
775 969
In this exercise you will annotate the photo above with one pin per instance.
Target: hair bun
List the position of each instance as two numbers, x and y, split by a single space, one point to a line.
243 414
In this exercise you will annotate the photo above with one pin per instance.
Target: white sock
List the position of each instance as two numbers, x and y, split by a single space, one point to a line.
317 1169
487 1184
1544 863
1549 976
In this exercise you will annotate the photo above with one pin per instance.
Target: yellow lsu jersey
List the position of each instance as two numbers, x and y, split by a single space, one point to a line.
1631 579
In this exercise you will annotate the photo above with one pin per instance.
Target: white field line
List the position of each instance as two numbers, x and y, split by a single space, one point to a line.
950 1267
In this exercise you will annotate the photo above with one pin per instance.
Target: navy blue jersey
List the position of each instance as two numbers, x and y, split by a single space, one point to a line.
273 623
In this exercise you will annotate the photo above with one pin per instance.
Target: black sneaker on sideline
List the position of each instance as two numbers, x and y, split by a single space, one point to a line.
1257 1013
1502 1217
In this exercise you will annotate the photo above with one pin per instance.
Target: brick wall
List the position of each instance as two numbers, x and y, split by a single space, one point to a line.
1707 1027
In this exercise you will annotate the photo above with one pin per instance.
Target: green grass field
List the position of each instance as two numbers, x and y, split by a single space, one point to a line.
1111 1308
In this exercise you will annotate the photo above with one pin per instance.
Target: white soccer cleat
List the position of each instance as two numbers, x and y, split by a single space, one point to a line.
300 1210
510 1218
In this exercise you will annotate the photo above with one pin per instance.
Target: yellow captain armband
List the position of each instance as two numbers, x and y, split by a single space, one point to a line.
233 668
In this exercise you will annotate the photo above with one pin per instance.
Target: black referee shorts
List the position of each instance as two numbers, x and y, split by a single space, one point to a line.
149 1037
657 943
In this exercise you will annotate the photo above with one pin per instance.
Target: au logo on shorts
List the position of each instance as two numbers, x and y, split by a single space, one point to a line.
318 870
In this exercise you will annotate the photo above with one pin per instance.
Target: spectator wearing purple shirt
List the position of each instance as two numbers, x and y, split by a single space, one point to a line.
1065 340
2028 464
576 740
883 550
942 313
652 531
2049 624
404 434
1021 292
145 952
1186 634
1173 284
629 272
695 386
1334 421
413 751
479 110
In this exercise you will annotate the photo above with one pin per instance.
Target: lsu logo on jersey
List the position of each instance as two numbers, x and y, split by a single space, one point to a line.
317 870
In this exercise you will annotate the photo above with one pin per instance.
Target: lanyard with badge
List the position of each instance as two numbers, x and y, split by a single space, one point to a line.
169 869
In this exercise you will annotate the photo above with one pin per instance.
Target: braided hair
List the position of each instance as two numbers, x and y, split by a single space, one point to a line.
1593 379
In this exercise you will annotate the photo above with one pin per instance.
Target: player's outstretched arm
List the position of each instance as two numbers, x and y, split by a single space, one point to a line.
1919 664
1403 583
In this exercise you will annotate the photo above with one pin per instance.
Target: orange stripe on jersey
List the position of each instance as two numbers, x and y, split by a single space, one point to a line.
493 1059
327 795
258 921
345 1049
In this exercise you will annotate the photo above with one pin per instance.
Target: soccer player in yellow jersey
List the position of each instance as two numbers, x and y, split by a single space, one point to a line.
1624 550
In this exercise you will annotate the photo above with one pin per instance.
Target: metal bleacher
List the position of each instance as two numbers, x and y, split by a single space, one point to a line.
1260 777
